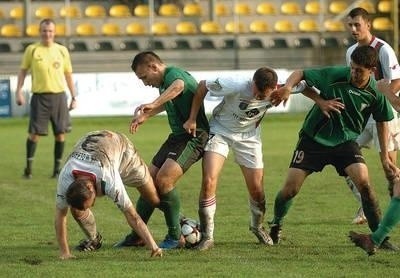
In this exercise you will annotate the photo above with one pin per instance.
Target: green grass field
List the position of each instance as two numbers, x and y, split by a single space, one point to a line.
315 232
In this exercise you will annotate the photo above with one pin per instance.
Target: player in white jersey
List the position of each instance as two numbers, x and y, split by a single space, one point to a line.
359 24
101 164
235 125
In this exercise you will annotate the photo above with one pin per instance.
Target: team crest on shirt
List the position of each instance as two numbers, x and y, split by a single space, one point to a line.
253 112
56 65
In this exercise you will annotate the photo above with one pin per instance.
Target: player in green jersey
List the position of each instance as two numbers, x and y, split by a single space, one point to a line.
325 140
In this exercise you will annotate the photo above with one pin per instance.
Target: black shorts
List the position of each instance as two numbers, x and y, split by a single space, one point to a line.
313 157
183 148
47 107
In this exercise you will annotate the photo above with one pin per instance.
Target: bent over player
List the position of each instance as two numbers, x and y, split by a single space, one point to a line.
101 163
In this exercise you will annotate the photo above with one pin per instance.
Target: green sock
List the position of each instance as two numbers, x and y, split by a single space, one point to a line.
281 207
389 220
170 205
144 209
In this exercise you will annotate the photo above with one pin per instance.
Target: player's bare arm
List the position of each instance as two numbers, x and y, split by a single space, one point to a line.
20 98
140 117
201 92
282 94
383 135
61 233
389 89
174 90
70 84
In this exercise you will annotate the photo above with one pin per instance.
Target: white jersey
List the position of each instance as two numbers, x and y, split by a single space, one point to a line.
390 70
110 160
238 111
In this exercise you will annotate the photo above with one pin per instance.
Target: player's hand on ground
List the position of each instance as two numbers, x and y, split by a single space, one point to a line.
280 95
331 105
190 127
157 253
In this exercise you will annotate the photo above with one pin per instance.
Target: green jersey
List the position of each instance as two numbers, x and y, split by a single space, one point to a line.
334 82
178 109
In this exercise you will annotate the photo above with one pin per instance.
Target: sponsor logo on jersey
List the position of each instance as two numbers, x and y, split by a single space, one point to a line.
354 93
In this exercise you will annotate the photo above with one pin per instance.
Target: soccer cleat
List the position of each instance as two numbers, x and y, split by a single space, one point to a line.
262 235
364 242
205 244
388 246
360 218
27 174
131 240
275 232
169 243
87 245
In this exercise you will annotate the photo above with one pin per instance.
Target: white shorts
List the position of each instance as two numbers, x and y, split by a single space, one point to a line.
247 149
369 136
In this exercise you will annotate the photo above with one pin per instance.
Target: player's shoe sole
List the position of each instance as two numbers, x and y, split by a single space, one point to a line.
262 235
87 245
131 240
363 241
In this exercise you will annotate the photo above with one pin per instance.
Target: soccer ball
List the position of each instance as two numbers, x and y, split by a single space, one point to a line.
190 229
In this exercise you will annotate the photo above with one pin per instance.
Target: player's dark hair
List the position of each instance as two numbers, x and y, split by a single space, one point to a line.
78 193
365 56
360 12
265 78
145 58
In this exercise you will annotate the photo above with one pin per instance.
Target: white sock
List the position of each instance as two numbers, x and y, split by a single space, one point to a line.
257 210
207 208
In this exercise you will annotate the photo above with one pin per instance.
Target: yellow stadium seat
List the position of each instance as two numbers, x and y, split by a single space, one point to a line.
235 27
61 29
44 12
290 8
10 30
193 9
308 25
368 6
170 10
334 25
135 28
160 29
385 6
338 6
32 30
242 8
210 27
186 28
17 12
283 26
266 8
119 10
220 9
110 29
259 26
382 24
95 11
313 7
141 10
85 29
70 11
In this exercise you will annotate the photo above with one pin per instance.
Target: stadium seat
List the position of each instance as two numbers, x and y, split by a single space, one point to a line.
266 8
210 27
10 30
382 24
234 27
110 29
193 9
229 44
135 28
5 47
32 30
181 44
85 29
95 11
169 10
71 11
221 9
368 6
119 10
334 25
242 8
186 28
291 8
313 7
17 12
77 46
206 44
279 43
385 6
254 44
129 45
156 45
308 25
330 42
337 6
141 10
103 46
258 26
160 29
303 43
283 26
44 12
61 30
